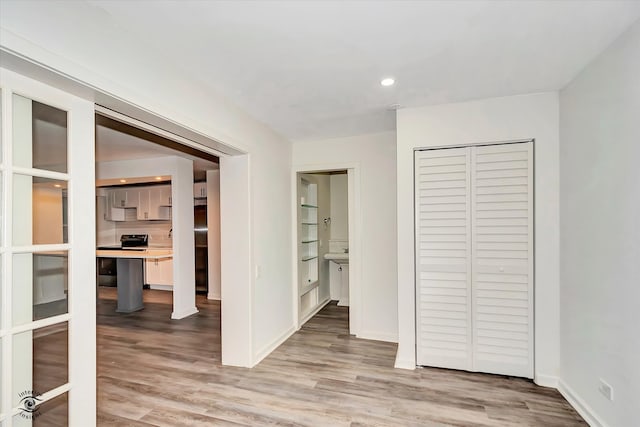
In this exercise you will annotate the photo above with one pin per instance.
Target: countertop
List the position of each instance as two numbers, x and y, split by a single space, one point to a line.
149 253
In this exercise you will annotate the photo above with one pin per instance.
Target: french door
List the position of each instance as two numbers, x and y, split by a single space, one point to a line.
47 305
474 258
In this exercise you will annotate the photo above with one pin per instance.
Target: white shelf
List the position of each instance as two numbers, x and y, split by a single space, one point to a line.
306 287
308 262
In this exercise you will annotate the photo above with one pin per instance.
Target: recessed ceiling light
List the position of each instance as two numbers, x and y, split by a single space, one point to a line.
158 178
123 180
388 81
57 185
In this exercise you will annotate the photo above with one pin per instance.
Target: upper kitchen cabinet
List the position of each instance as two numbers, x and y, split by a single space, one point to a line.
154 203
134 203
200 190
165 195
124 198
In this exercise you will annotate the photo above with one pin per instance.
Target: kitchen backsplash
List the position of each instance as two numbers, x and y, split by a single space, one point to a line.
158 231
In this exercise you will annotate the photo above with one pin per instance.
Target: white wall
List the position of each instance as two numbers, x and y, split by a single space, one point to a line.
339 207
600 234
375 155
489 120
64 35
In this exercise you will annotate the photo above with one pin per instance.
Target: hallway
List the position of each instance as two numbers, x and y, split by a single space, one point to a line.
155 371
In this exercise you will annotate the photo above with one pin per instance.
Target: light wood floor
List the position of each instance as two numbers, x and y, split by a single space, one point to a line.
162 372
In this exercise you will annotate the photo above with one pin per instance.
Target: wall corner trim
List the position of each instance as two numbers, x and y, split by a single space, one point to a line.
546 380
405 364
184 313
580 405
267 349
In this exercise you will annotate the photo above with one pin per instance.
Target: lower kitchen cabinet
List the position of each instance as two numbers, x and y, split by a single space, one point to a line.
158 273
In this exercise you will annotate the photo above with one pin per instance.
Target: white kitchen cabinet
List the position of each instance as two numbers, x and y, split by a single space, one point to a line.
165 195
139 203
132 198
200 190
158 272
124 198
153 204
114 214
144 205
118 198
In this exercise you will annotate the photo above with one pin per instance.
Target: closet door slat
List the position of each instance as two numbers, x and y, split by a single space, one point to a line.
502 258
443 258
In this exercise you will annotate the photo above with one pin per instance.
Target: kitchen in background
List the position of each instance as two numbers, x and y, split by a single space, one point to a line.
129 203
129 211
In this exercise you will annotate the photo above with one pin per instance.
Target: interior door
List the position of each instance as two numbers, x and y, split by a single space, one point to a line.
443 261
47 311
474 258
502 258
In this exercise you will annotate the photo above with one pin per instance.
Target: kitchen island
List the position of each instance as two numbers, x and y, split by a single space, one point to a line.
130 275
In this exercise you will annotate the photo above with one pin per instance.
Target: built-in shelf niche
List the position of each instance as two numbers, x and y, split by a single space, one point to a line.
308 245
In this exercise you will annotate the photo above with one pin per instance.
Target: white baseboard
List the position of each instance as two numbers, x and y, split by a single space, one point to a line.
405 364
266 350
214 297
184 313
161 287
579 405
378 336
546 380
314 312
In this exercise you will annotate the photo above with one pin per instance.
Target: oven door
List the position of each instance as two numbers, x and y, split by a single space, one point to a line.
107 271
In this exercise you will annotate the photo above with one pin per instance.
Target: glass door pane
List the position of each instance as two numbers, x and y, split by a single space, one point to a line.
45 198
45 319
39 135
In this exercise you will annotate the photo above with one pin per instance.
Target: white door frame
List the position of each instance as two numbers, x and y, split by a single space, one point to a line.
236 284
355 239
81 316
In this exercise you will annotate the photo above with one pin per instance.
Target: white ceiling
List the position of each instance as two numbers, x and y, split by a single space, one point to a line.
311 69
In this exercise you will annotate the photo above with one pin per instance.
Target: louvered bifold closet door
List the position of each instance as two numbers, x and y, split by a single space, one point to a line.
502 258
443 246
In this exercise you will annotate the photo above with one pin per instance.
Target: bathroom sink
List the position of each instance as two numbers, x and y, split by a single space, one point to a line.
338 258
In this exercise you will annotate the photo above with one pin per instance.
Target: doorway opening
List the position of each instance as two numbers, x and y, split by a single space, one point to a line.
157 250
325 226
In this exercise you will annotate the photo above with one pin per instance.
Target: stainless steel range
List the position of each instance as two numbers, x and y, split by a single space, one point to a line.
107 267
129 242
